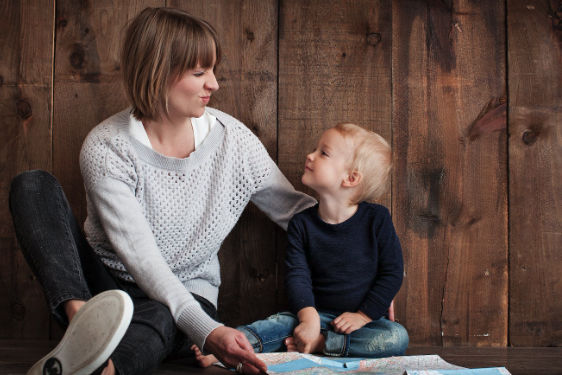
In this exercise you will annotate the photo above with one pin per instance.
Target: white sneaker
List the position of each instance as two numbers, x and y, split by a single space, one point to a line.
92 336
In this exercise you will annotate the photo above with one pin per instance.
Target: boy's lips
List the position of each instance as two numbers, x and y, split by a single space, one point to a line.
306 167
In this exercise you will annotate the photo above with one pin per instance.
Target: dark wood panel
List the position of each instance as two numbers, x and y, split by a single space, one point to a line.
535 172
87 85
247 77
26 55
334 66
449 191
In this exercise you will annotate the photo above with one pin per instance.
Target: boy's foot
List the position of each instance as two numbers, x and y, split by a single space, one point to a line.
316 347
91 337
203 360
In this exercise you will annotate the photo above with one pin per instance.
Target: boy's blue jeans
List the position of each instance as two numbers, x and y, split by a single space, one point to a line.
377 339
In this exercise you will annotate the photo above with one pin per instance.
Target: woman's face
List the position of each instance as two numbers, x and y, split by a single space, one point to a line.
190 95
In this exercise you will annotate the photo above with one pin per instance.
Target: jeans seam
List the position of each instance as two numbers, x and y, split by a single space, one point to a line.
256 336
72 243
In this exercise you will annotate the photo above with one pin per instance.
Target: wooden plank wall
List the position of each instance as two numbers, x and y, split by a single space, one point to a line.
467 92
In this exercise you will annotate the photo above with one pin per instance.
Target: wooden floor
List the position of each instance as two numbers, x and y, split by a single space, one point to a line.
17 356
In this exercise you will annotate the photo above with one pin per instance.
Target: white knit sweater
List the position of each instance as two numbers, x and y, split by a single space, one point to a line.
160 221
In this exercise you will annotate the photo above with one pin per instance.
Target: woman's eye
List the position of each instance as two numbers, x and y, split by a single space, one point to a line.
198 74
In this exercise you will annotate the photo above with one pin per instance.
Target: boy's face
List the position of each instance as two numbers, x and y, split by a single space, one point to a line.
327 167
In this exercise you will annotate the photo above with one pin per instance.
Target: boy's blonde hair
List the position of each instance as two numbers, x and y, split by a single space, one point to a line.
372 157
160 45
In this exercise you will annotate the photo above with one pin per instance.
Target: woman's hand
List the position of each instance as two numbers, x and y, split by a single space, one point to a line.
231 347
349 322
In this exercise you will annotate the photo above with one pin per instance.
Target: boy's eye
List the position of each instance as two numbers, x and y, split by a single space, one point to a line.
324 153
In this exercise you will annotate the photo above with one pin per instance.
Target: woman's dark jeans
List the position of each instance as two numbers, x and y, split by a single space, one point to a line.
66 266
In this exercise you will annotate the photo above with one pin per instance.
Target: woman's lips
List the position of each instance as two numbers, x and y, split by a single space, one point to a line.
205 99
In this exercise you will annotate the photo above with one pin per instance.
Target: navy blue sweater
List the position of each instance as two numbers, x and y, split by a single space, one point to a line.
345 267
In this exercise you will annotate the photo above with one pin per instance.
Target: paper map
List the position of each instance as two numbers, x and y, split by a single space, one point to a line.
306 364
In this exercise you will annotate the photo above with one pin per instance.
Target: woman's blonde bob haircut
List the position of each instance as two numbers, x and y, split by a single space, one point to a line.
160 45
372 157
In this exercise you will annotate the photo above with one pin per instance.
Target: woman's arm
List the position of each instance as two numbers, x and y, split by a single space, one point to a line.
278 199
132 239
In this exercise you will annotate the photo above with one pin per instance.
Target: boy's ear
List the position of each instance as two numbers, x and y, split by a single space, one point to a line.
352 179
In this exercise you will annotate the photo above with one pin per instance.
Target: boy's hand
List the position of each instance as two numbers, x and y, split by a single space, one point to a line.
307 334
349 322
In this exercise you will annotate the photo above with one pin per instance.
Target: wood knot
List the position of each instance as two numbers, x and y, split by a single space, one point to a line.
556 16
373 38
78 58
530 137
250 35
62 23
24 109
256 130
18 311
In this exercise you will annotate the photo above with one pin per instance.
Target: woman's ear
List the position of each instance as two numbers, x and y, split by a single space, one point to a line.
352 179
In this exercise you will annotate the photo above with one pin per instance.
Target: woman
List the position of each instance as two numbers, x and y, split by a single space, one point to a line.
166 180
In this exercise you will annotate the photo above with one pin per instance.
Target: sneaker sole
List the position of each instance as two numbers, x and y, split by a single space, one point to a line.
91 337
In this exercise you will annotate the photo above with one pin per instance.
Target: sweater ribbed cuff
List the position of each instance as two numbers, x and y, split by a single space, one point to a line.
197 325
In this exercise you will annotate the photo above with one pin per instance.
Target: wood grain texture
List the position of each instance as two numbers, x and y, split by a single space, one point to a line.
247 76
334 66
88 84
535 170
26 92
449 192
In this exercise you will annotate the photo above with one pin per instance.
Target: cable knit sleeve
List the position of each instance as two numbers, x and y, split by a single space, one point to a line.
110 180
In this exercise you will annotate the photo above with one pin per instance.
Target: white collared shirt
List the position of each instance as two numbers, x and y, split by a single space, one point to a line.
201 128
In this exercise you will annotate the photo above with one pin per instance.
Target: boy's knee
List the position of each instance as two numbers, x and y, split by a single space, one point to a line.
396 340
402 339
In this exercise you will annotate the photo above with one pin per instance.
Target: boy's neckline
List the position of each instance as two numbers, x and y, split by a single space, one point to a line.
344 212
343 224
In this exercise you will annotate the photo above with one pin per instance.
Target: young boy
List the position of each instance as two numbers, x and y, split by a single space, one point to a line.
344 260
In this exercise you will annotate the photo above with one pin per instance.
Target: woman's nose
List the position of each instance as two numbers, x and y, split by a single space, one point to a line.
211 83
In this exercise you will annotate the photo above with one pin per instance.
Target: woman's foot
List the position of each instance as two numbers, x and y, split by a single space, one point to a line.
92 335
203 360
317 347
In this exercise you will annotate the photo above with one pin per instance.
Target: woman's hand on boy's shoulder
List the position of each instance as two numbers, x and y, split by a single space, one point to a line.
350 321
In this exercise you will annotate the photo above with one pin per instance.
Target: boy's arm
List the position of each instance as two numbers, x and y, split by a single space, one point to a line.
298 279
390 270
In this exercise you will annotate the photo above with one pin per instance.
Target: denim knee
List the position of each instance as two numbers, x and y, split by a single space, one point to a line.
30 182
269 335
398 340
390 339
